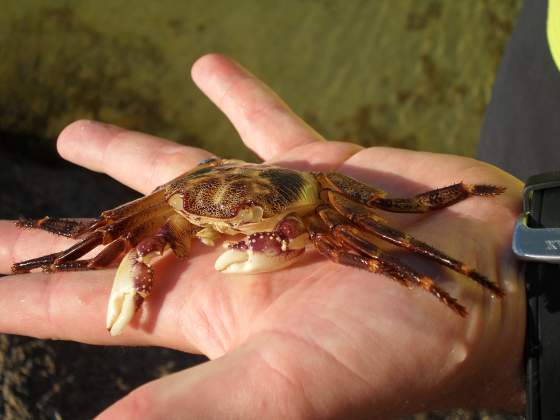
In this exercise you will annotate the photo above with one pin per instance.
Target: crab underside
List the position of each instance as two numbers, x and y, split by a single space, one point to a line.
277 212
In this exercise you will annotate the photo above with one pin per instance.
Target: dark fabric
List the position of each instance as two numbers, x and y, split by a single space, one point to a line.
521 131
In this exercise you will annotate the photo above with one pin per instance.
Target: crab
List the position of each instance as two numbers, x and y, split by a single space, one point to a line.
271 214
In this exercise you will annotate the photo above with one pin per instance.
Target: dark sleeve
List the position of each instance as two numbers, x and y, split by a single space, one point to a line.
521 130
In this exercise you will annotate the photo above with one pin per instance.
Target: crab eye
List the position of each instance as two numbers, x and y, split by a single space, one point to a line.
205 161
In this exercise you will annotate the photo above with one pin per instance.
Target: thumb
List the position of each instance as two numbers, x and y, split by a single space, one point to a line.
240 384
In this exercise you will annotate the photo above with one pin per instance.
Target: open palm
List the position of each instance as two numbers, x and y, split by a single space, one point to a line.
314 340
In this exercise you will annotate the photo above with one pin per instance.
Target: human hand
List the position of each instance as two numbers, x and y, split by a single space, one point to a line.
313 340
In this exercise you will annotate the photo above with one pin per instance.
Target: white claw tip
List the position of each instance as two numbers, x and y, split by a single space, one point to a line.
120 312
248 261
122 306
231 261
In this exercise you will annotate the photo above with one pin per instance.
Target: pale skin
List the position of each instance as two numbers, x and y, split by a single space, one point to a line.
317 340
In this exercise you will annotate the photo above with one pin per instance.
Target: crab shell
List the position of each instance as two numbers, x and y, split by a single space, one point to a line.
237 197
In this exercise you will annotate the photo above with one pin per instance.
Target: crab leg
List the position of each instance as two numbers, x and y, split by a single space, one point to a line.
51 262
131 228
138 225
105 257
71 228
74 228
362 217
421 203
134 278
434 199
136 210
135 206
266 251
345 245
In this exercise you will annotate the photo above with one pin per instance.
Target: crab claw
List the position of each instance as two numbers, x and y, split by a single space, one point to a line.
132 284
265 251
